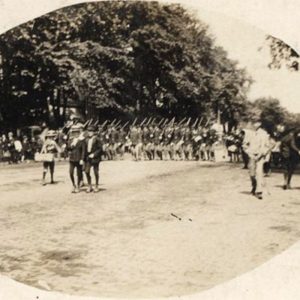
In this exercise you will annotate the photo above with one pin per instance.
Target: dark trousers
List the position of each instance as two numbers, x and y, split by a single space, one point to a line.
290 165
75 165
95 166
49 165
245 158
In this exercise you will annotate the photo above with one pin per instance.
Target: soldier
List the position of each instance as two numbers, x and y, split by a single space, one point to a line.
121 142
147 144
49 147
187 143
135 136
168 143
76 149
196 142
93 153
212 139
204 154
178 141
107 147
158 137
114 142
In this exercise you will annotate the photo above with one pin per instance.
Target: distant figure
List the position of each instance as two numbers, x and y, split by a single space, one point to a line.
290 152
49 147
11 148
245 137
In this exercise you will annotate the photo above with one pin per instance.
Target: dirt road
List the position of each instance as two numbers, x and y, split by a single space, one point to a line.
128 240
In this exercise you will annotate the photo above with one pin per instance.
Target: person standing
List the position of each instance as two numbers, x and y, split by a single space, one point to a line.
27 149
11 148
245 136
290 152
49 147
93 154
76 149
257 150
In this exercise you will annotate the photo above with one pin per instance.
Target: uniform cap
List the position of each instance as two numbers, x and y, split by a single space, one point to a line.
92 128
76 127
51 133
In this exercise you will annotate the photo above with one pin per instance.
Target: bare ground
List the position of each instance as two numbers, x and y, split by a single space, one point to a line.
128 239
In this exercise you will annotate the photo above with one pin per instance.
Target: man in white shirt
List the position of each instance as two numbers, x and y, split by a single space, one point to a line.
258 147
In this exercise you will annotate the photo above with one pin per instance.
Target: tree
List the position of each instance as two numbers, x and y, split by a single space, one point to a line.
282 55
140 58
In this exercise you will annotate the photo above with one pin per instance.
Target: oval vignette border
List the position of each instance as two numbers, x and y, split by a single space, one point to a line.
280 18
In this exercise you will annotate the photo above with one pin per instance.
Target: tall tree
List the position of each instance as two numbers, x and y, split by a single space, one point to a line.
129 57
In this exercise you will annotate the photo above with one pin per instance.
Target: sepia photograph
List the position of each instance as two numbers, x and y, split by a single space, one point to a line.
148 149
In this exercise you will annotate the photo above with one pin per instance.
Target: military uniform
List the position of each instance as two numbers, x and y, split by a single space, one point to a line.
158 138
135 136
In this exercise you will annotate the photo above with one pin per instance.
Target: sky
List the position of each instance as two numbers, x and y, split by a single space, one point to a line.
242 42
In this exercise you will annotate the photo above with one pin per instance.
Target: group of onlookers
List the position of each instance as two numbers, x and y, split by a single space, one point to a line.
15 149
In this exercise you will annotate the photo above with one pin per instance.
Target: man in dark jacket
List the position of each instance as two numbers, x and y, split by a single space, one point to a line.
76 149
93 153
290 152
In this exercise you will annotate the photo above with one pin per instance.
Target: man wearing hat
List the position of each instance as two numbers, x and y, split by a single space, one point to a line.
76 149
93 153
257 150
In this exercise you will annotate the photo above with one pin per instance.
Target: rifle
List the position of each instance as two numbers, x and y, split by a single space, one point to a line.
149 121
118 123
165 122
134 122
124 125
113 122
194 125
143 122
172 122
104 123
182 121
208 120
200 121
85 125
96 123
153 121
161 121
188 121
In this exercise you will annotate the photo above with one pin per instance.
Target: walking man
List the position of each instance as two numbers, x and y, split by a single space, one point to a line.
76 148
257 150
93 153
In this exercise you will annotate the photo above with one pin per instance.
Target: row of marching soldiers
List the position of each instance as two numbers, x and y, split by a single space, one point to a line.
163 140
88 143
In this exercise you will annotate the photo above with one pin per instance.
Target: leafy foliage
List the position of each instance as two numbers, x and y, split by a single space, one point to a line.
130 57
282 55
